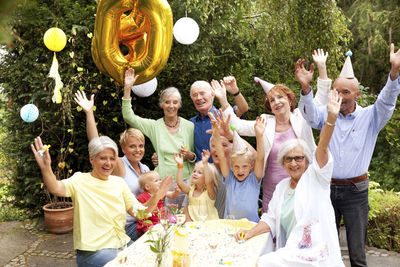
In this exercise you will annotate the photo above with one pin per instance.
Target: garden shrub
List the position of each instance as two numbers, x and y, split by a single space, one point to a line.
383 218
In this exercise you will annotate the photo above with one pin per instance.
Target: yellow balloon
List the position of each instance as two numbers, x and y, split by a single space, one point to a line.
143 27
55 39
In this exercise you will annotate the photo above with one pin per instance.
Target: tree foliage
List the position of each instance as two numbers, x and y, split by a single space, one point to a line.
244 38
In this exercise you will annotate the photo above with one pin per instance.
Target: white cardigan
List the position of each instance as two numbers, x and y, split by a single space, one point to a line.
313 208
299 124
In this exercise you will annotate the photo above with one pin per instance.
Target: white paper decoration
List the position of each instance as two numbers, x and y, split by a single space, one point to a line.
145 89
186 31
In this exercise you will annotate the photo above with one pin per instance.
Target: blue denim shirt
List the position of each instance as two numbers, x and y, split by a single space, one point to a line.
201 138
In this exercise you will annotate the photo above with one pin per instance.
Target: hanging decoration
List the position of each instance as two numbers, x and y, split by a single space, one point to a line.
55 40
145 89
135 34
29 113
186 31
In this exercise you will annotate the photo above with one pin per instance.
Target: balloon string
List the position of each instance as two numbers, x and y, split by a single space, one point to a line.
185 13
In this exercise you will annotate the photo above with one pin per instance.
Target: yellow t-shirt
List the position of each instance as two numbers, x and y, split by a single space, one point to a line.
99 211
194 203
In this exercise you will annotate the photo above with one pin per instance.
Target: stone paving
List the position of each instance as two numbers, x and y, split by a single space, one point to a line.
28 244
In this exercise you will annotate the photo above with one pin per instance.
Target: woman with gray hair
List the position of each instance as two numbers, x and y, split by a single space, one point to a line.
169 134
100 200
300 214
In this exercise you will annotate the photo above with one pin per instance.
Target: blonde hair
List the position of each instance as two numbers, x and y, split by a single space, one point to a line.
243 154
144 178
131 132
214 173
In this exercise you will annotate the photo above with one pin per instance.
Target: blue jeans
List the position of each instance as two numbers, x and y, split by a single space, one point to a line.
97 258
130 230
351 202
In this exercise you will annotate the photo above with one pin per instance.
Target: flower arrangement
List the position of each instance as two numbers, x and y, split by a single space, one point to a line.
160 240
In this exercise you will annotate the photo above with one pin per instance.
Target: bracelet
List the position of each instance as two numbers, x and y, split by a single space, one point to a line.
236 94
180 166
330 124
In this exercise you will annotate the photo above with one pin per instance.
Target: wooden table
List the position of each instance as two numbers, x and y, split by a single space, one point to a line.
201 237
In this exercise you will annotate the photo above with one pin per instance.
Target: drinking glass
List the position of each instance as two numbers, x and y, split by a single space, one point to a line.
230 226
180 219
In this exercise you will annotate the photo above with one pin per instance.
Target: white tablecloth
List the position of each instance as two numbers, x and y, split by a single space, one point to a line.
228 252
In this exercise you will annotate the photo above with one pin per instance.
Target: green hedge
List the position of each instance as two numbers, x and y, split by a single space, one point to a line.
384 218
244 38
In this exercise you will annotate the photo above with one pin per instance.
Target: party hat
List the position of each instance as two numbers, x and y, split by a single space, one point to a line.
265 85
347 70
238 144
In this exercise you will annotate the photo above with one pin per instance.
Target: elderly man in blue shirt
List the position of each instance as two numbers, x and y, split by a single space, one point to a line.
352 145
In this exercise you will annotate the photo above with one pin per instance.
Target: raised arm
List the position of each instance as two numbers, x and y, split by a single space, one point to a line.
43 159
179 174
333 107
224 165
259 128
304 76
233 89
395 63
87 106
205 155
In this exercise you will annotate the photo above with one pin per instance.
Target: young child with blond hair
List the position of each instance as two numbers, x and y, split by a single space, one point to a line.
202 188
150 183
243 177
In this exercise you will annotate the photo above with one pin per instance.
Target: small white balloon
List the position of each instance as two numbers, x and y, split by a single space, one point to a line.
29 113
186 31
145 89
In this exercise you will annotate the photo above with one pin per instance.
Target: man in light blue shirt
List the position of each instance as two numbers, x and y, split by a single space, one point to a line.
352 146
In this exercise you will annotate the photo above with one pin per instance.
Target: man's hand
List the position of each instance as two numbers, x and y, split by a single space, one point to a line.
395 62
319 58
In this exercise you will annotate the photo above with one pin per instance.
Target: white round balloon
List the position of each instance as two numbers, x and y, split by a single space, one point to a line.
186 31
145 89
29 113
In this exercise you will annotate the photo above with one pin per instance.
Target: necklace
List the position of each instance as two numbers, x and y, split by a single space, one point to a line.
171 126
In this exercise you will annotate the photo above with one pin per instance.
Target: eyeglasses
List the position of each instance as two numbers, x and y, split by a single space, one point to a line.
296 158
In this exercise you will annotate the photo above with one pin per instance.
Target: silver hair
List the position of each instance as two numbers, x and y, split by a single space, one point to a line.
291 144
167 92
201 83
98 144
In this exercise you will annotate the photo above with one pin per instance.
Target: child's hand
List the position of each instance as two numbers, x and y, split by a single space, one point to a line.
205 155
259 126
178 158
320 57
175 193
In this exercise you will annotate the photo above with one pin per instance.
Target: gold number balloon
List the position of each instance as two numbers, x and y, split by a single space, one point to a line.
144 27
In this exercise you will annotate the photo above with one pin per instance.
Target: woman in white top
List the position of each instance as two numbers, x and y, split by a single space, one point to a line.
300 214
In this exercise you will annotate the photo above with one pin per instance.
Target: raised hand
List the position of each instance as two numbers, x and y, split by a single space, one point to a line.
43 159
259 126
224 125
130 77
178 158
319 58
165 185
395 62
333 106
81 99
205 155
230 84
219 89
304 76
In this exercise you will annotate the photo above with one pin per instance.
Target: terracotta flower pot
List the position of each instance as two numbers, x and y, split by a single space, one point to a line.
59 217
